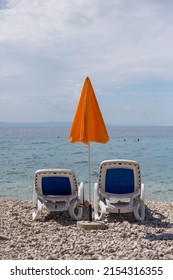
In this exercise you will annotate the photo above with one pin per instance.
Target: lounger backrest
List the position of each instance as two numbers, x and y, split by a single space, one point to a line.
56 185
119 180
119 176
55 182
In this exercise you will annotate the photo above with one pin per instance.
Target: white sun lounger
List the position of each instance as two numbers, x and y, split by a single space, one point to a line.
119 189
57 190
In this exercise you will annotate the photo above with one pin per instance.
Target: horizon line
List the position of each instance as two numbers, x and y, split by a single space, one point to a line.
65 123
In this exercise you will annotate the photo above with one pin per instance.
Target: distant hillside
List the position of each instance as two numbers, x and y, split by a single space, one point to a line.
35 124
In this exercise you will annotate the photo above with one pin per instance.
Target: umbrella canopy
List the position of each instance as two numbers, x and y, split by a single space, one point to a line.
88 125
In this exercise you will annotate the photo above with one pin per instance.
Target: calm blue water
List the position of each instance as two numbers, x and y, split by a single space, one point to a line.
24 150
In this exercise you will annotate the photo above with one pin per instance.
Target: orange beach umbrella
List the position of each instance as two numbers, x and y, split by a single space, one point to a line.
88 125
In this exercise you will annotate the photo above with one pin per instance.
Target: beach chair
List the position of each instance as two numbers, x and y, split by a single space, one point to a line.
119 189
57 190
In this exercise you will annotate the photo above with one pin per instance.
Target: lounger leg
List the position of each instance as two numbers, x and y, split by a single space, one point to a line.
139 210
99 207
77 203
34 205
37 206
96 201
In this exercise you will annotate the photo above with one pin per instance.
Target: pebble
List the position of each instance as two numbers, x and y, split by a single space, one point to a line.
55 236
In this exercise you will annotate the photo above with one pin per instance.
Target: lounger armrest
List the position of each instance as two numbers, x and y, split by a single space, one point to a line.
96 191
81 191
142 192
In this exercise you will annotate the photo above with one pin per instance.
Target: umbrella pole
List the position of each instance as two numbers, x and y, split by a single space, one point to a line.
89 184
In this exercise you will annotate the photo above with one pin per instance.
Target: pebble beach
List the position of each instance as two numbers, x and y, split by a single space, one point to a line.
55 236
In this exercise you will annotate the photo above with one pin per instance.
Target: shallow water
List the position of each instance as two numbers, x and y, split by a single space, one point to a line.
24 150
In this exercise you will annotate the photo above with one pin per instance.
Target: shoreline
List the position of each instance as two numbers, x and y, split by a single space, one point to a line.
55 236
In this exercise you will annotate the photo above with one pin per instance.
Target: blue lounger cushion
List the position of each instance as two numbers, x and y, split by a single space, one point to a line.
119 181
56 186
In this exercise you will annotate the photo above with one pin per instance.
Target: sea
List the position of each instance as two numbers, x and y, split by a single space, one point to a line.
23 150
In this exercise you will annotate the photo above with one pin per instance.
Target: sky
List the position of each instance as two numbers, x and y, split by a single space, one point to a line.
48 48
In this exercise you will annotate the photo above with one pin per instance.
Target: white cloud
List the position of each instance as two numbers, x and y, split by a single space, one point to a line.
49 47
